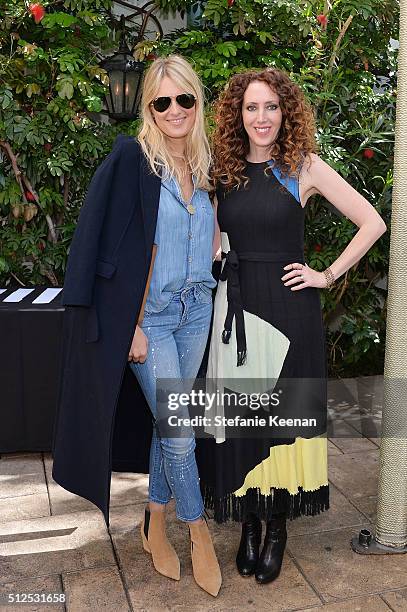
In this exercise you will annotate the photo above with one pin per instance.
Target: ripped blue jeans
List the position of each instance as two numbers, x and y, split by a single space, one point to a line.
176 343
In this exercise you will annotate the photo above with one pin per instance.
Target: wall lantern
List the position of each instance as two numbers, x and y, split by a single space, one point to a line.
125 80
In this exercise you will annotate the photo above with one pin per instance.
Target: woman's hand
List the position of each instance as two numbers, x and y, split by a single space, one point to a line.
303 274
139 346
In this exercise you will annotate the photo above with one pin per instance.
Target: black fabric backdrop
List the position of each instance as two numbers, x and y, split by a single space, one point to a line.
30 367
30 359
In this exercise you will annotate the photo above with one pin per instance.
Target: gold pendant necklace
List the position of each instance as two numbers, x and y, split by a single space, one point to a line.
191 209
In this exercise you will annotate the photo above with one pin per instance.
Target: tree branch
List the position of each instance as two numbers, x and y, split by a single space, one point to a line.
13 160
17 279
22 181
339 40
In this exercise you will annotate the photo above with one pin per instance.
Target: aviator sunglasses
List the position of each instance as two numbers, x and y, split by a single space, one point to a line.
163 103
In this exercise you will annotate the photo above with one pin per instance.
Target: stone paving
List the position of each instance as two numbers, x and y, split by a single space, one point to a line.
54 542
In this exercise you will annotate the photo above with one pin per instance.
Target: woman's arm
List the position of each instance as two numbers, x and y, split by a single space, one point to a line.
319 177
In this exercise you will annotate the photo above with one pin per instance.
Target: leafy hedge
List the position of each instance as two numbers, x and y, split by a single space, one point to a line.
339 52
51 83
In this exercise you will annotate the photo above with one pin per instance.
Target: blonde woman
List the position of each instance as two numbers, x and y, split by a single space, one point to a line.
152 190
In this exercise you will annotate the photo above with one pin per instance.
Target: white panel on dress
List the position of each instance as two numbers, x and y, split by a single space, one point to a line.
257 375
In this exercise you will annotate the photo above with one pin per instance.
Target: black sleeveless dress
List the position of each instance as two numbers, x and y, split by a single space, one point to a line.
266 339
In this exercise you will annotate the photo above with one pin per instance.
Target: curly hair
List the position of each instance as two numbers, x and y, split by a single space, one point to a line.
295 140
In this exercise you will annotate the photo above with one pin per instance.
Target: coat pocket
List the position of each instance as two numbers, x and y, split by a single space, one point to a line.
92 325
105 268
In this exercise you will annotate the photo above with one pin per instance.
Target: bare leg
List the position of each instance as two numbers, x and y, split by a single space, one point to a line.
155 507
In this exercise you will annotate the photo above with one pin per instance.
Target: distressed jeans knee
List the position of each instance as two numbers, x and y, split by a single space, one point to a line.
177 449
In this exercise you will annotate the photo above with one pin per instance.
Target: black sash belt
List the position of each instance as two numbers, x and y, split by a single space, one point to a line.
230 272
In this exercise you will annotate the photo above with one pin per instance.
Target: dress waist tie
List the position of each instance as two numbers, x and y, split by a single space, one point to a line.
230 272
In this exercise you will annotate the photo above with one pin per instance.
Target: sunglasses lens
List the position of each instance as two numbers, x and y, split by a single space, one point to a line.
186 100
161 104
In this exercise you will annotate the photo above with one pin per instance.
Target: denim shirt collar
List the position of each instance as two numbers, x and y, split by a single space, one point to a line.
171 184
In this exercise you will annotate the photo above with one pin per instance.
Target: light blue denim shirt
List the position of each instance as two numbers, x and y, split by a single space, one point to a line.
184 245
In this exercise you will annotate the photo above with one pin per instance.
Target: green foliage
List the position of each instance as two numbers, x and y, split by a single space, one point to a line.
51 83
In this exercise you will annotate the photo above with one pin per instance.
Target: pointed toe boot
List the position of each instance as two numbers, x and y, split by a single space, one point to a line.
271 558
155 542
205 564
248 554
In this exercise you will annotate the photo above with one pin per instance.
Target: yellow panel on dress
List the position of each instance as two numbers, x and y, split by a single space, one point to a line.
289 466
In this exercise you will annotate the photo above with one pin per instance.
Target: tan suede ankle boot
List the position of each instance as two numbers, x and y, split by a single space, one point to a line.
155 542
204 562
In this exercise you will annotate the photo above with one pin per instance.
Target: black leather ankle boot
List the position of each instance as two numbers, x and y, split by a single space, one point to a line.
271 558
248 553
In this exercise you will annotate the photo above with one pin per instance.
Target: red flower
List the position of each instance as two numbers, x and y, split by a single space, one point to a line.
317 248
322 20
41 246
29 196
37 11
368 153
151 57
48 146
231 3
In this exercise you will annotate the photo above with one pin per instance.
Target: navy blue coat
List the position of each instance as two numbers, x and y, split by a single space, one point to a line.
103 422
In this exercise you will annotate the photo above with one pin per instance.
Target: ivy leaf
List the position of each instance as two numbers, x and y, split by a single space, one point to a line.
65 86
93 104
32 88
7 99
88 17
4 266
63 20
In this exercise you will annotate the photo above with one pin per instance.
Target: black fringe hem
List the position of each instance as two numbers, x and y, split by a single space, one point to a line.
234 508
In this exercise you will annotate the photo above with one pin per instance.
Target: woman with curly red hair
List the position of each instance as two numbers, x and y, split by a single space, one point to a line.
267 459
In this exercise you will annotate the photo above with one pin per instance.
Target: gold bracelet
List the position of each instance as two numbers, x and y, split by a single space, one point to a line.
330 279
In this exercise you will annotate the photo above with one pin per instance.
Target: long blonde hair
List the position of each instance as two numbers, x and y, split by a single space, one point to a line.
151 138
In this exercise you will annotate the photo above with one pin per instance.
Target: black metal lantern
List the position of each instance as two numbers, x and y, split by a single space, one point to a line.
125 79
